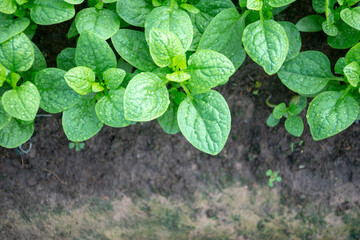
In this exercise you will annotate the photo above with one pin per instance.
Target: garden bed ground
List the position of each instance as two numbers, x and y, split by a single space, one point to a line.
140 183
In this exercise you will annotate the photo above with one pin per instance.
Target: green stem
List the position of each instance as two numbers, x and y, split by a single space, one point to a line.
340 79
347 91
261 16
172 4
269 104
186 91
244 15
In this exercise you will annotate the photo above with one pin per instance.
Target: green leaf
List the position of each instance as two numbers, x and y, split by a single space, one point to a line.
346 38
134 11
45 12
353 55
330 113
294 125
8 6
164 47
205 121
12 27
178 76
5 118
74 1
146 98
72 32
351 16
224 34
39 64
22 102
113 77
310 23
80 122
279 110
267 44
256 5
3 75
352 73
80 79
104 23
110 109
66 59
280 3
190 8
131 46
56 95
17 53
272 121
15 133
330 30
177 21
168 121
308 73
95 53
339 66
209 69
294 38
297 104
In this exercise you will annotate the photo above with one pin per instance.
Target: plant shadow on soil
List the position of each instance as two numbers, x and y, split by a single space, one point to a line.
140 183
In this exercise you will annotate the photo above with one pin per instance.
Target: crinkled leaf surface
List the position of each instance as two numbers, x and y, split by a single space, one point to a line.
80 79
104 23
256 5
56 95
294 125
352 73
39 64
66 59
131 46
279 110
168 121
4 117
23 102
308 73
330 113
209 69
74 1
134 11
17 53
8 6
351 16
12 27
113 77
267 44
80 122
15 133
110 109
178 76
95 53
346 38
177 21
294 38
205 121
45 12
280 3
164 47
353 55
146 98
224 34
339 65
272 121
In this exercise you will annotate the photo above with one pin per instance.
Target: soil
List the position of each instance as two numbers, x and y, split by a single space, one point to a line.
141 161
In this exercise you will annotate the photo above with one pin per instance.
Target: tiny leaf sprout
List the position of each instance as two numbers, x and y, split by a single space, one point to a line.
273 177
77 145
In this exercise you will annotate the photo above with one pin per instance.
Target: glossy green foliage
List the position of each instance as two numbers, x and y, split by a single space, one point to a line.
46 12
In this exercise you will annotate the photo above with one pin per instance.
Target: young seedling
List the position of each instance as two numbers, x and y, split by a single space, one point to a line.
273 177
77 145
293 123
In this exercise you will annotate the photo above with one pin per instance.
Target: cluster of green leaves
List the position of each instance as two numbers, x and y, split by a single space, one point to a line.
273 177
336 98
293 123
341 22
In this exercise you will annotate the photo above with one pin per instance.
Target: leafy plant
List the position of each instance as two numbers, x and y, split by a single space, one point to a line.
341 22
293 123
273 177
77 145
336 103
20 59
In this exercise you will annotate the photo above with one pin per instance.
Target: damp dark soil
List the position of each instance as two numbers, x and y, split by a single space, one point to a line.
142 160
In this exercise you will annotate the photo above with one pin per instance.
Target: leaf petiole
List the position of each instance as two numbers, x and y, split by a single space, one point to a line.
186 91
